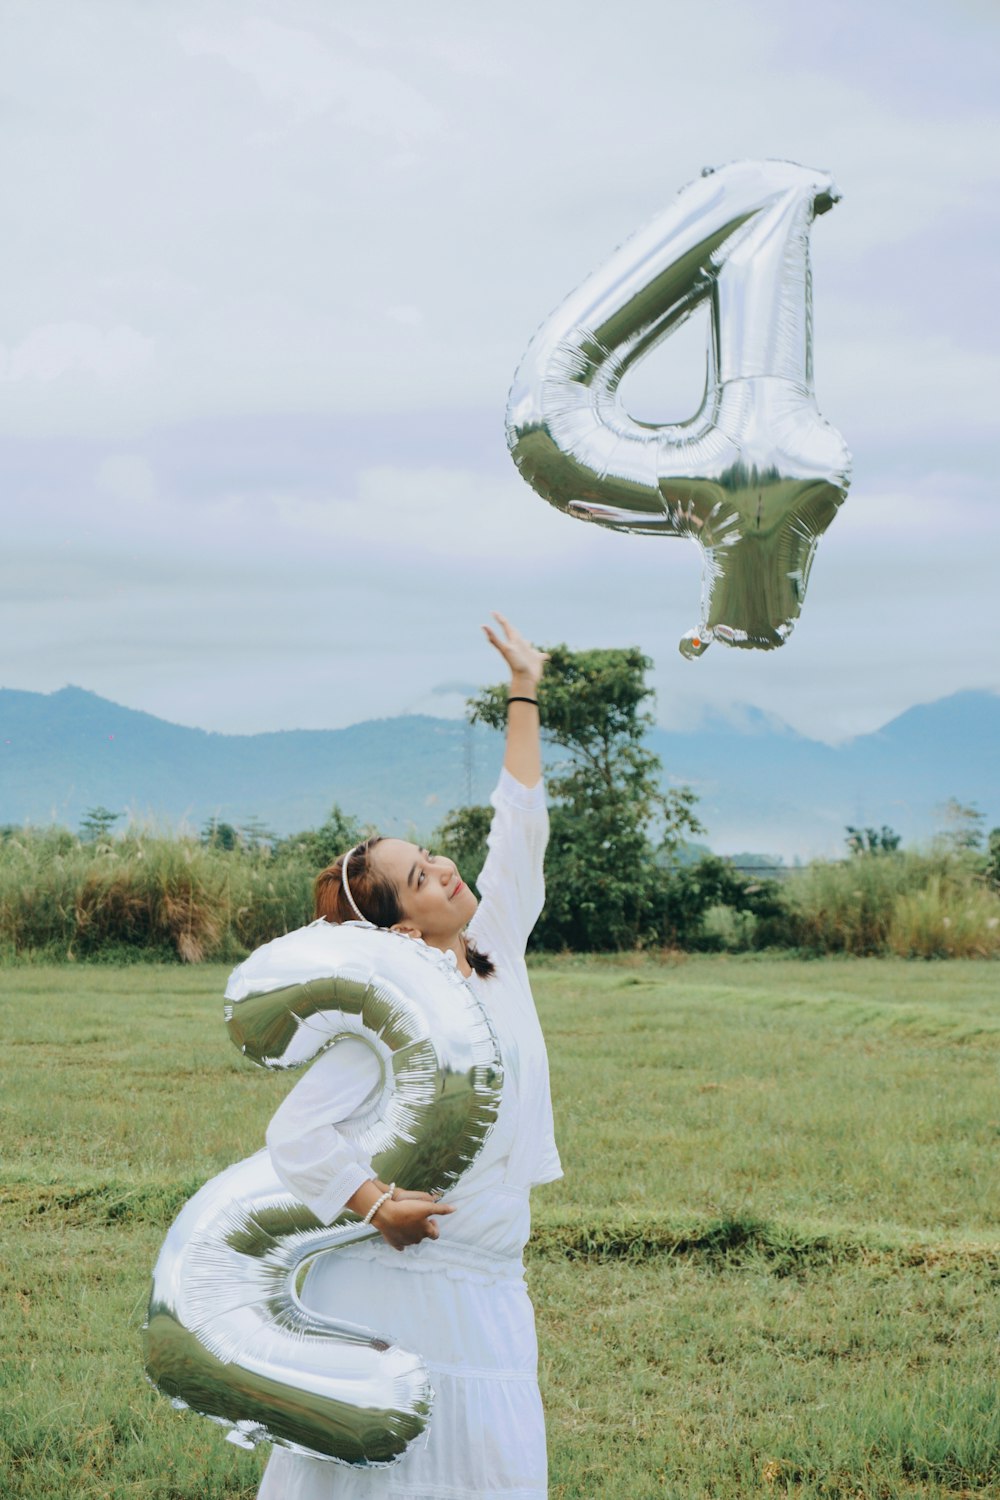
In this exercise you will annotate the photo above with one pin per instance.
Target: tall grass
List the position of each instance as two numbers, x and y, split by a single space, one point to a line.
270 897
915 905
40 874
169 897
159 897
146 895
946 919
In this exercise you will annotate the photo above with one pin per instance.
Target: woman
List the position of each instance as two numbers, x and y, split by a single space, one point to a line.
456 1293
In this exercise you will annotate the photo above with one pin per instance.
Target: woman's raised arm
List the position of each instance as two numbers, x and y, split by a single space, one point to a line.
523 753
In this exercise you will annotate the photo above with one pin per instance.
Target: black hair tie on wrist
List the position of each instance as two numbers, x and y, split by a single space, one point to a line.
523 700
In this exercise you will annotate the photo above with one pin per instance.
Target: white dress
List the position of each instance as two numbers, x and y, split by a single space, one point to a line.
460 1301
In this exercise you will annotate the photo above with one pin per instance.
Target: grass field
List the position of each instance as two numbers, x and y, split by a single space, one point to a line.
771 1268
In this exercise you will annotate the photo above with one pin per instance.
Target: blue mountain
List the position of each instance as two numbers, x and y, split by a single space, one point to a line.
761 785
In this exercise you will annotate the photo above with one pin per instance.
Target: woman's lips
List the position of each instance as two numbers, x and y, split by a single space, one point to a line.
459 887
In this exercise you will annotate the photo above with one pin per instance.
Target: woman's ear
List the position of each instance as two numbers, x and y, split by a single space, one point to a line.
407 929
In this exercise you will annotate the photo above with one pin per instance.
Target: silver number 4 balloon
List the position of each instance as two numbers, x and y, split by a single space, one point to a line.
757 475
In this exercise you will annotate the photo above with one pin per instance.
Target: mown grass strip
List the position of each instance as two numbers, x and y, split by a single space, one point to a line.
732 1240
727 1240
94 1204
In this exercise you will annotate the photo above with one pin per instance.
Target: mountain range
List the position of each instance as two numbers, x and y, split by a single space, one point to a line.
762 787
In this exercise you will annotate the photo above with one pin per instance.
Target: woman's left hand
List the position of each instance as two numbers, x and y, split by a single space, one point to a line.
526 662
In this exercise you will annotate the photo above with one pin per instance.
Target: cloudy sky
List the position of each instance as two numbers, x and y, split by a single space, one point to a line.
268 271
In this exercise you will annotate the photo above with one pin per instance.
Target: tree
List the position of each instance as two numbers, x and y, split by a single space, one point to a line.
220 835
96 824
963 826
695 889
872 840
610 811
993 858
322 846
256 836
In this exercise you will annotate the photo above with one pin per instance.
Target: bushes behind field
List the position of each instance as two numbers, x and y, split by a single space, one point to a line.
936 905
145 897
139 896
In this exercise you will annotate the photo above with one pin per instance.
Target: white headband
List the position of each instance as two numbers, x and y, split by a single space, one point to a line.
347 889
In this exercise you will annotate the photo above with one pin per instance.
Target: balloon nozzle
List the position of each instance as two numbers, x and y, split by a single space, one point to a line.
694 643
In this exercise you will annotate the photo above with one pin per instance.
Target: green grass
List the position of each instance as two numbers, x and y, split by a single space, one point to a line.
853 1092
674 1378
771 1268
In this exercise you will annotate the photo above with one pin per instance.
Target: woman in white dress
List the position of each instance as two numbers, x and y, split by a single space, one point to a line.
445 1279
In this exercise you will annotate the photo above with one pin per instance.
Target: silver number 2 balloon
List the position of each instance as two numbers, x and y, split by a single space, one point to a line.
756 476
227 1333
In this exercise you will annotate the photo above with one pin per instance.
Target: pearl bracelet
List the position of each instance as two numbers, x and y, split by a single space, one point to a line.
378 1204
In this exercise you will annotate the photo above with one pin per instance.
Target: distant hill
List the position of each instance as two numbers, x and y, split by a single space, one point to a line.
67 751
762 786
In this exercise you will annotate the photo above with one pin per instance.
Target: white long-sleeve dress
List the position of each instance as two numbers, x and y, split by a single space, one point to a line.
460 1301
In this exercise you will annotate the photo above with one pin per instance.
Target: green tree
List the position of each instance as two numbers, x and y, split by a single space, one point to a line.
963 826
882 840
256 836
323 845
96 824
713 882
610 813
993 858
219 835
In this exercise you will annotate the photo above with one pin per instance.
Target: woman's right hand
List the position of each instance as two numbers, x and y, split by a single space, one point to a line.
526 662
408 1218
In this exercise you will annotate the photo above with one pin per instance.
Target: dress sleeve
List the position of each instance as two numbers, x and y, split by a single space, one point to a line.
316 1161
512 881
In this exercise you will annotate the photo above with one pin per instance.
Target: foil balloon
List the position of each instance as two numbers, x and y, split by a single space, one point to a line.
756 475
227 1333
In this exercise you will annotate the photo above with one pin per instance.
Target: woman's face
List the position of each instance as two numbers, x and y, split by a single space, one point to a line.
435 901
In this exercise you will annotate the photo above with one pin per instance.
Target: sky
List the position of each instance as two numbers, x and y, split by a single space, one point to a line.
268 272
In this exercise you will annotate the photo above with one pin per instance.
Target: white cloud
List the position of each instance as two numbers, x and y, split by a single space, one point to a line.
224 224
906 386
291 174
128 477
268 610
401 512
294 69
58 349
407 315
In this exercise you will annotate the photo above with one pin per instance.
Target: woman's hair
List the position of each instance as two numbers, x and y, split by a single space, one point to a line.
375 896
373 892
